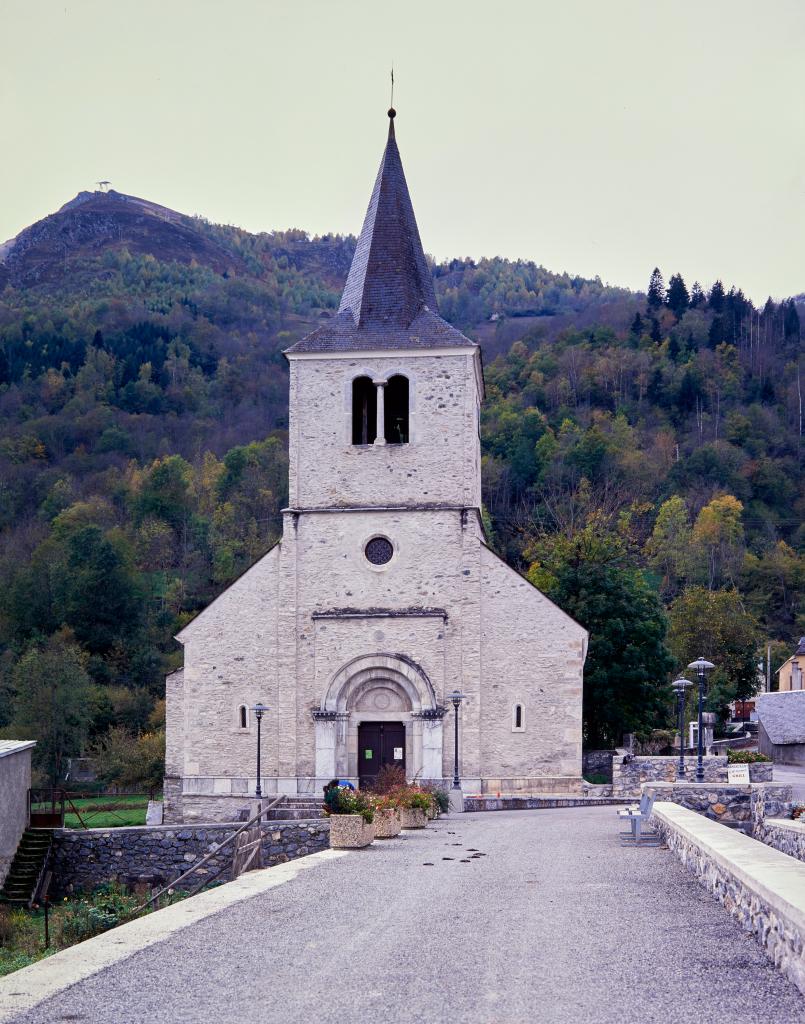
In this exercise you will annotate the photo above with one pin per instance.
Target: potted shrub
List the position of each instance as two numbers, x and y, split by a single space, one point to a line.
440 801
414 804
351 817
387 820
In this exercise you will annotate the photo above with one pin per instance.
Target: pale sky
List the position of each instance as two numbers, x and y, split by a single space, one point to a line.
590 136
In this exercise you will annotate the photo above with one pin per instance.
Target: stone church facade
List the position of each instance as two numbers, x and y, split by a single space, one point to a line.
382 595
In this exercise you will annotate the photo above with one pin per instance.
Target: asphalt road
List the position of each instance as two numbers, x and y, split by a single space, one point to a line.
556 923
794 775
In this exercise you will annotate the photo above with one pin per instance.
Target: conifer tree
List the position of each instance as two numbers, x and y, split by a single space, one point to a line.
678 299
716 334
716 299
791 320
637 325
655 296
697 296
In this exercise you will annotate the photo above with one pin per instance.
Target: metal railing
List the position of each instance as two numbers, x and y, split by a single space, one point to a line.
47 807
245 857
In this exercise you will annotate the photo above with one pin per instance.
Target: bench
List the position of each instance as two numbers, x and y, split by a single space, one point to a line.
639 815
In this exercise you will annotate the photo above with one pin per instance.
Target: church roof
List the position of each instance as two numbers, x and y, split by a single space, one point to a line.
389 301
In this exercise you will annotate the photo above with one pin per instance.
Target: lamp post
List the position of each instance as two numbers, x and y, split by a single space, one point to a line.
259 710
680 687
701 667
456 697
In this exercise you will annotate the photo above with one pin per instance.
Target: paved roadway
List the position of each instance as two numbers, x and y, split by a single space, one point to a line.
555 924
794 775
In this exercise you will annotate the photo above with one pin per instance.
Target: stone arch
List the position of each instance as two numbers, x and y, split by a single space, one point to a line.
362 674
385 687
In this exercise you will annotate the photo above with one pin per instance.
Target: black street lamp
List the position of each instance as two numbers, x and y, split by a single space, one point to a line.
259 710
680 687
456 697
701 668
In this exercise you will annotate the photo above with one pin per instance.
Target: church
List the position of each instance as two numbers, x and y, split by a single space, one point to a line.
382 596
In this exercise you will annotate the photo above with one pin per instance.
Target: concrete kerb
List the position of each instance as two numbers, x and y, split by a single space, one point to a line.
25 988
760 886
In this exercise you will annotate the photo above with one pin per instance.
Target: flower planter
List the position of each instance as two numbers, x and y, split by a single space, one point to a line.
350 832
387 823
413 817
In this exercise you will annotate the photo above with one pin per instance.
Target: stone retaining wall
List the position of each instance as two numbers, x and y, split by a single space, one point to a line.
628 778
763 889
597 762
784 835
84 859
739 807
532 803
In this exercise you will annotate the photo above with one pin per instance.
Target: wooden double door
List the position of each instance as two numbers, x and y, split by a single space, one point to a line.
379 743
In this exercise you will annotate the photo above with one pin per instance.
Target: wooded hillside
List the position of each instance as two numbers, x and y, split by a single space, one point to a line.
642 460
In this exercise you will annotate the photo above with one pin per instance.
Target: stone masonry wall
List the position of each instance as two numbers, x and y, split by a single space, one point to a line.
439 465
773 921
628 778
598 762
230 659
739 807
500 640
85 859
532 653
787 836
771 801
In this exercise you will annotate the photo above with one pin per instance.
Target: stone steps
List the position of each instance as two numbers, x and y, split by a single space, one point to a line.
295 813
28 861
297 808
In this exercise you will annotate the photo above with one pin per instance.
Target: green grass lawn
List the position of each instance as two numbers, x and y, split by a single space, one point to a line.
104 811
107 819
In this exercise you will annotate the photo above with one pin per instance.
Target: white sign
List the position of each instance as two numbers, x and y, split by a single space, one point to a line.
398 753
737 774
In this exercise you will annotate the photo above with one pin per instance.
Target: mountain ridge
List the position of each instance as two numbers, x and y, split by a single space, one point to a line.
92 221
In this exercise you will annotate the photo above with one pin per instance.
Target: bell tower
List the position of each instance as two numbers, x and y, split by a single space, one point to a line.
385 398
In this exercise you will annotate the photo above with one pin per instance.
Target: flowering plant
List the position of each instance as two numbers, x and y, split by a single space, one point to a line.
384 802
341 800
412 798
745 757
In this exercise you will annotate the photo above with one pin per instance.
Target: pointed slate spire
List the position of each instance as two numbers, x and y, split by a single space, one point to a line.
389 301
389 281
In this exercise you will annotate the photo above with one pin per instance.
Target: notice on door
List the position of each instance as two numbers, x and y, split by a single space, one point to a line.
398 752
367 754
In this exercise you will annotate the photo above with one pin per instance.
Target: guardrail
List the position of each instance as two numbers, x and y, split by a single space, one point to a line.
245 856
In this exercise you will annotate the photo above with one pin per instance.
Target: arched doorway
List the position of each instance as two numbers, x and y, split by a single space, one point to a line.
378 690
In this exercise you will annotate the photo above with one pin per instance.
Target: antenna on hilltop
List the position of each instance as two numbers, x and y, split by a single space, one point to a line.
103 186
